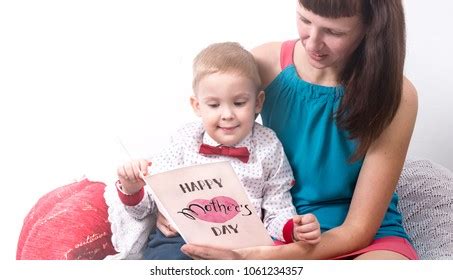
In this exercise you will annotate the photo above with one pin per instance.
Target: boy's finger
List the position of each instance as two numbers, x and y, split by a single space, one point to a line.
312 235
309 235
134 170
127 172
120 171
297 220
308 218
144 167
307 228
139 170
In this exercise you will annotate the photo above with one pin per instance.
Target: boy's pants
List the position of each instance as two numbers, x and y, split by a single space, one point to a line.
160 247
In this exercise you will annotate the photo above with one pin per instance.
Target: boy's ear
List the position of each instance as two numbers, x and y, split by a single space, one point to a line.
195 104
259 102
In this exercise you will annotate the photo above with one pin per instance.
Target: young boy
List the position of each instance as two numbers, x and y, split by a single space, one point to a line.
227 97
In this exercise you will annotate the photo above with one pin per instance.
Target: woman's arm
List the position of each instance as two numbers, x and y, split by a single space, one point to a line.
377 182
267 57
382 167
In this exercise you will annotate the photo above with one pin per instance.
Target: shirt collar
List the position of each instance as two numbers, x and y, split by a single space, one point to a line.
246 142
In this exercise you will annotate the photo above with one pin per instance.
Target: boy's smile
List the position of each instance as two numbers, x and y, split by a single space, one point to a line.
229 129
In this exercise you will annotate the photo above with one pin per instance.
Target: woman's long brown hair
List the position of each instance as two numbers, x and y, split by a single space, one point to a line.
373 77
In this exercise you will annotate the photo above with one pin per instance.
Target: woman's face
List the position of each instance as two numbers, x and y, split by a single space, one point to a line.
328 42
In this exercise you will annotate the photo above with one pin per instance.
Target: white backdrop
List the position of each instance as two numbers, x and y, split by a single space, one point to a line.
76 76
429 66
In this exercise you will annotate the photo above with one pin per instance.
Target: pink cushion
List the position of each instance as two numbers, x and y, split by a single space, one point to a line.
69 222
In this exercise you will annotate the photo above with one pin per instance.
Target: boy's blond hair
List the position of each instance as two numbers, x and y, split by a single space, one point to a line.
228 57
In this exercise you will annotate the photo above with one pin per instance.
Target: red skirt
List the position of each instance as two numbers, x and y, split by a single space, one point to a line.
390 243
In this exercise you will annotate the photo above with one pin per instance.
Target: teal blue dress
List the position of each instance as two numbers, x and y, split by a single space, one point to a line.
302 115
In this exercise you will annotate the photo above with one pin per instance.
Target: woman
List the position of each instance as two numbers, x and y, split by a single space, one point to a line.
339 103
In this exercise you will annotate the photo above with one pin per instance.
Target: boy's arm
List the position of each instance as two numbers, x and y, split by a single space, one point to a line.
138 205
141 204
278 209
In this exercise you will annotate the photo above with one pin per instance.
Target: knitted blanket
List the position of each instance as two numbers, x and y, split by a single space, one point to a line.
129 235
425 191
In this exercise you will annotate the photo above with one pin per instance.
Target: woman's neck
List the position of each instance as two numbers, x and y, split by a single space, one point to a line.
328 76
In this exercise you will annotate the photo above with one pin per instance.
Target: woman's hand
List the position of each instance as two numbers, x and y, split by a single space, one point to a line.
164 226
130 175
197 252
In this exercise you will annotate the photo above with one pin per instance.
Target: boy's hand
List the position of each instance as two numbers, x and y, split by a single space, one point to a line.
306 228
129 175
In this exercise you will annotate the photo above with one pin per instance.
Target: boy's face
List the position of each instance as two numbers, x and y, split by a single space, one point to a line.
227 104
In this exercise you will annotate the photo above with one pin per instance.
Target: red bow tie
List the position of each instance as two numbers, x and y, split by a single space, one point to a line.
242 153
